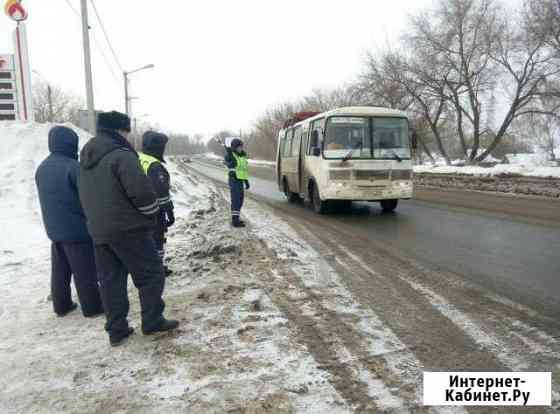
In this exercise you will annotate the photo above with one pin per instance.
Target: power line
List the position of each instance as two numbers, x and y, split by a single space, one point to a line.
106 59
106 35
99 47
72 8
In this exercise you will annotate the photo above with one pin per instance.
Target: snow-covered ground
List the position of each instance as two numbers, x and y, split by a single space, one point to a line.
234 351
524 166
529 170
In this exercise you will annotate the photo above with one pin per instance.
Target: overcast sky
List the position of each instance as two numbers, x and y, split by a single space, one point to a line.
219 63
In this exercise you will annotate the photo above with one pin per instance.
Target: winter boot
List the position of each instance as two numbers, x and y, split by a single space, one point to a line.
166 325
236 222
120 341
72 308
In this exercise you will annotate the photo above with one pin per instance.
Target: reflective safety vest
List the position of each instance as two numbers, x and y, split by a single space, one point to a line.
146 161
242 169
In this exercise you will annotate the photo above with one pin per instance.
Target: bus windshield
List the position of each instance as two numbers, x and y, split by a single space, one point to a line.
363 137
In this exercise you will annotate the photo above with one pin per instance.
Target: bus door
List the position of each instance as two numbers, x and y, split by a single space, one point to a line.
302 151
292 161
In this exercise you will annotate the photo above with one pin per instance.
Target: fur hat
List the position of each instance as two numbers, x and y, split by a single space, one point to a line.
235 143
153 143
113 120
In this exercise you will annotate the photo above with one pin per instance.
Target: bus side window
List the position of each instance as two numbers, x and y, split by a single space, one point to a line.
296 142
305 141
288 143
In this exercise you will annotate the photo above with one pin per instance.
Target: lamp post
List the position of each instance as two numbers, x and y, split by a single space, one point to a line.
127 98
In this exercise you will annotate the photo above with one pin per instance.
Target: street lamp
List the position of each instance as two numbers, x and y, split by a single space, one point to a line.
126 74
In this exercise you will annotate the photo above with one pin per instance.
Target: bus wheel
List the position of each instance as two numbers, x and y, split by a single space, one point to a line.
292 197
319 206
389 205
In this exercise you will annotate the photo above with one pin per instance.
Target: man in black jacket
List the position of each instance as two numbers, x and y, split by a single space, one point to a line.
152 161
65 223
121 208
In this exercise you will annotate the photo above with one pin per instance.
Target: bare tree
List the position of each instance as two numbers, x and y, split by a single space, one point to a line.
542 17
414 86
526 64
53 104
457 38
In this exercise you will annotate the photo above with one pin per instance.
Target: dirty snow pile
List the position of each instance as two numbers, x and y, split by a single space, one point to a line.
23 147
524 168
234 351
500 169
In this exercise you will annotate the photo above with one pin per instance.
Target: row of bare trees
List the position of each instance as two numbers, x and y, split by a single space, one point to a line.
475 75
53 104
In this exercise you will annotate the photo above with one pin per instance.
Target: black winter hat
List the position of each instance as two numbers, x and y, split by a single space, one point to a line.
153 143
236 142
113 120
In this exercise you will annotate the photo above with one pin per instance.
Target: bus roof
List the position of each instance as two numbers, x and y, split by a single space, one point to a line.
357 111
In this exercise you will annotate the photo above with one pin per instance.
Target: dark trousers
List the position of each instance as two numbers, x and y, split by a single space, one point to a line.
76 259
138 255
237 191
159 238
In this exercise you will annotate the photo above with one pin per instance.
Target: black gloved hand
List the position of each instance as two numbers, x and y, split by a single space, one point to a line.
247 185
170 219
232 174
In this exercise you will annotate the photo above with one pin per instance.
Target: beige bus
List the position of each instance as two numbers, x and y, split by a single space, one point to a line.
344 155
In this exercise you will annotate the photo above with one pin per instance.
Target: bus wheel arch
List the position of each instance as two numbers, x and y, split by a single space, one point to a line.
388 206
319 206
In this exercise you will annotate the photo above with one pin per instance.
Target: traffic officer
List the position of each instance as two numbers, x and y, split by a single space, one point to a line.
236 161
152 161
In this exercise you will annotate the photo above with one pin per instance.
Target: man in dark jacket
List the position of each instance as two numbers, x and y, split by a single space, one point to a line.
238 167
121 208
65 223
152 161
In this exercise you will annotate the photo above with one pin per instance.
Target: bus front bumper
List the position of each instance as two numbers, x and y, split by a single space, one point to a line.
345 191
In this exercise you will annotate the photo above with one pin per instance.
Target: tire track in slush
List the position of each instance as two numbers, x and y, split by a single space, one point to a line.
324 336
449 346
475 351
359 339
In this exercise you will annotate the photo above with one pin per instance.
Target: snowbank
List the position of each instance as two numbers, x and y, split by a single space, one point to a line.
23 146
500 169
234 351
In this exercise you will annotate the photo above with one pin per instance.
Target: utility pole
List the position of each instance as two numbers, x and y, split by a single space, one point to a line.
87 65
126 97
